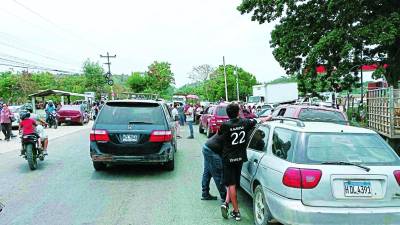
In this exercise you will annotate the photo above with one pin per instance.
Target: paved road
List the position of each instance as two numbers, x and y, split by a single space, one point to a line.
66 189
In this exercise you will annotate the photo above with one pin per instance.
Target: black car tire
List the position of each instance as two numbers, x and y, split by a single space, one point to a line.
201 129
170 165
58 123
209 134
98 166
267 216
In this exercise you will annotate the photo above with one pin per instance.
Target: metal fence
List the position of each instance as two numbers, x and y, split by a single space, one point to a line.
384 111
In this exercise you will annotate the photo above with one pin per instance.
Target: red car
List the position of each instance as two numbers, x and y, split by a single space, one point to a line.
213 116
311 113
72 114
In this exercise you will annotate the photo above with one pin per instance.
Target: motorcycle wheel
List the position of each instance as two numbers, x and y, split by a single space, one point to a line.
55 124
31 157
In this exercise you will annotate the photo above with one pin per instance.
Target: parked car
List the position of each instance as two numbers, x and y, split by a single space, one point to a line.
321 173
213 116
133 132
311 113
15 111
72 114
264 113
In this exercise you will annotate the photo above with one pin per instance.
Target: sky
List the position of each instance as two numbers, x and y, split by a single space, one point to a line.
62 34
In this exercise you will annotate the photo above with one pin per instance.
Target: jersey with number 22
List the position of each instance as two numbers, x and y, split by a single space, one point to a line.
236 132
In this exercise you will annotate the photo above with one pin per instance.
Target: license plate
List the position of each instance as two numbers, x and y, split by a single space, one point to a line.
357 189
67 118
129 138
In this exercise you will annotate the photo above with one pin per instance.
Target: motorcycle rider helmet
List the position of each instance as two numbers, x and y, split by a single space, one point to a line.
24 114
51 103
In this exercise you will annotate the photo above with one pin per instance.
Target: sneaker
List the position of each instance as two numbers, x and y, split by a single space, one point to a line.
224 210
209 197
45 152
235 215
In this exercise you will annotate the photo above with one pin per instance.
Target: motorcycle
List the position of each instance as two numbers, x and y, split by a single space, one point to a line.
52 120
31 151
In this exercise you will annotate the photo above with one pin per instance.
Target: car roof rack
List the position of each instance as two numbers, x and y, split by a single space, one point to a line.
299 123
141 96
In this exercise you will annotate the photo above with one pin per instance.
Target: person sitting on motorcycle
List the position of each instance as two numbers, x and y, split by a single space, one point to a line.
27 125
43 138
50 108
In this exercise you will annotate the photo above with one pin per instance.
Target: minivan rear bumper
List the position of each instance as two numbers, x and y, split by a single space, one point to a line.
166 154
290 211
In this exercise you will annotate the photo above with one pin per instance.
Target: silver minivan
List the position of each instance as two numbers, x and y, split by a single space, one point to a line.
321 173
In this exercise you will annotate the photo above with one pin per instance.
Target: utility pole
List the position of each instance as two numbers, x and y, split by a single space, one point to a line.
237 83
362 78
108 74
226 85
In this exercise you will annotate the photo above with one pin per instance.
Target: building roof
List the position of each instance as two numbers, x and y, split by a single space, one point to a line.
55 92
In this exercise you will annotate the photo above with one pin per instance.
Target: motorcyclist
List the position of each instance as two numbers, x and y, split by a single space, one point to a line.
27 125
50 108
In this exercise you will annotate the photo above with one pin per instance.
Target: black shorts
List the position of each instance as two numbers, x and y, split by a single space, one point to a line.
232 173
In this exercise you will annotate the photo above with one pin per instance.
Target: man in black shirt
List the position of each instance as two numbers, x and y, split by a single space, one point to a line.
212 153
235 133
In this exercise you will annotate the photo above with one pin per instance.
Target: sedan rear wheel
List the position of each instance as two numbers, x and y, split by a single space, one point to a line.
262 215
201 129
99 166
170 165
209 133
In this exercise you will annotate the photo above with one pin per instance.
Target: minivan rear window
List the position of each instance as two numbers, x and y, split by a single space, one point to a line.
320 115
221 111
125 113
354 148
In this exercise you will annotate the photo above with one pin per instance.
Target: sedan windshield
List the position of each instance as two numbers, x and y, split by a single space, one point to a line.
354 148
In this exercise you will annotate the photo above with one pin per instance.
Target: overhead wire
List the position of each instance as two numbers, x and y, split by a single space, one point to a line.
77 37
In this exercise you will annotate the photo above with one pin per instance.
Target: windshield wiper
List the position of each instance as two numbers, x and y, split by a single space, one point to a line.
347 164
139 122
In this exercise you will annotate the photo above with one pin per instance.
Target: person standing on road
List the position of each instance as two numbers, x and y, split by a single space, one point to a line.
5 121
190 120
212 153
175 116
235 133
181 112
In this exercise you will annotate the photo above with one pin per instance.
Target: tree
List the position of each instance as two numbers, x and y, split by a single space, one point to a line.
216 84
137 82
94 77
201 73
340 34
159 77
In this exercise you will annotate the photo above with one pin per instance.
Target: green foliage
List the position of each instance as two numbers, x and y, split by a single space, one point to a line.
214 88
340 34
284 79
137 82
157 80
94 77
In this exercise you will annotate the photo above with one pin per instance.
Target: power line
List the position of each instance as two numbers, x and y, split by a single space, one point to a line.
23 65
28 62
55 25
17 39
31 52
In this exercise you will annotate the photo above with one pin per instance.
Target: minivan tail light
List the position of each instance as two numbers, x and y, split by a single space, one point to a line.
397 175
160 136
99 135
301 178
